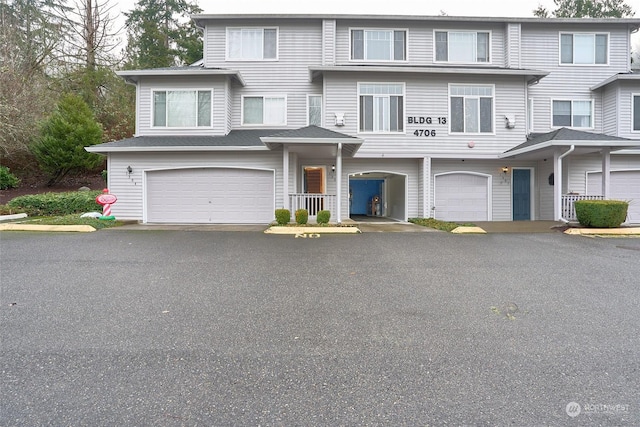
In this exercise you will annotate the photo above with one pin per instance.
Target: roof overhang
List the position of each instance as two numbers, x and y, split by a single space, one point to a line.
548 148
531 76
349 145
617 78
133 76
105 148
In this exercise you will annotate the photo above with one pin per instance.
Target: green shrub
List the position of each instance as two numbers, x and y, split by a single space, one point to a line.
302 216
104 175
323 217
7 179
283 216
56 204
601 213
6 210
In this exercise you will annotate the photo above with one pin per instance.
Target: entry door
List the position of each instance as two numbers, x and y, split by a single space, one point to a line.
521 187
314 184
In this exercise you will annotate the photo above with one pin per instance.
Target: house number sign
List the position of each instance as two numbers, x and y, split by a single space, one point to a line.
426 120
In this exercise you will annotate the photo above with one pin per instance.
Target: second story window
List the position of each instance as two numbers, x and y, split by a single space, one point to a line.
583 49
381 107
462 46
636 113
576 114
252 44
182 108
471 108
264 110
378 45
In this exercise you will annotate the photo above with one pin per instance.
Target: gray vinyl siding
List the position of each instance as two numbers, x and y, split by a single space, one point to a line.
329 42
130 188
540 51
610 112
580 165
427 96
150 84
545 191
625 113
512 52
299 46
420 48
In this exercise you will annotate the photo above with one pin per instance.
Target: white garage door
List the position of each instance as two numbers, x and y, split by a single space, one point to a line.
624 185
210 195
462 197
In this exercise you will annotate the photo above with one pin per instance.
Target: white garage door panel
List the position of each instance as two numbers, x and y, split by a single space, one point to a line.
210 195
461 197
624 185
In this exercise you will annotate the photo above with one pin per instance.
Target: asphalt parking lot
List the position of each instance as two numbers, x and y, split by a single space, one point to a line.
240 328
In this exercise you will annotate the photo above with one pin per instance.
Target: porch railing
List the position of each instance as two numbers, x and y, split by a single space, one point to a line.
568 210
313 203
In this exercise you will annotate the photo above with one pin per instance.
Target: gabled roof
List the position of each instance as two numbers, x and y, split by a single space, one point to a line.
133 76
313 135
312 132
540 144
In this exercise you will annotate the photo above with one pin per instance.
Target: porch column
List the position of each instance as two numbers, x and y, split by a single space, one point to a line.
606 172
339 183
426 187
285 176
557 186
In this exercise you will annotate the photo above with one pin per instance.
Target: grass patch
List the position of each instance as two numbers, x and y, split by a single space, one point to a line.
312 224
75 220
437 224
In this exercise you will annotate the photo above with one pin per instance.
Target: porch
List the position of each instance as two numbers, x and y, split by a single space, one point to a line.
313 203
567 204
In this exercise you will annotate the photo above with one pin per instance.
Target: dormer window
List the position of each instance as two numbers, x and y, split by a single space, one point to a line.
252 44
462 46
378 45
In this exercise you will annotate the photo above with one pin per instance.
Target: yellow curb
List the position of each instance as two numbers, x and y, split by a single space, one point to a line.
312 230
39 227
610 231
468 230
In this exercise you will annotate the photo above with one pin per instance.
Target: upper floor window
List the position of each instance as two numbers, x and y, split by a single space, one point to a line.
583 49
462 46
252 43
264 110
381 107
471 108
182 108
379 45
314 110
636 113
576 114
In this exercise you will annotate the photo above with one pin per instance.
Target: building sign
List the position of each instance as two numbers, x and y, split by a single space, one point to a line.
427 121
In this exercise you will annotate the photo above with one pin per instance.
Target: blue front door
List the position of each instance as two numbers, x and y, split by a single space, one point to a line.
521 187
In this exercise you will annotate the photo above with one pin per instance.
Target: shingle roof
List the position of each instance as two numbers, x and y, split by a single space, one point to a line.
564 134
311 132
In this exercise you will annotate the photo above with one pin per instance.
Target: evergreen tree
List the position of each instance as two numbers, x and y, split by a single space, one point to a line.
160 34
59 149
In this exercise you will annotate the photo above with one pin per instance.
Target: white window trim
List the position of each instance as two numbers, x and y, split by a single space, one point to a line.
489 62
593 118
493 109
263 59
404 108
633 95
190 89
406 42
274 95
562 64
321 108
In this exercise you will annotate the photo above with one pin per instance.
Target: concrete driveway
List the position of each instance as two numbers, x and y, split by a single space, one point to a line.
225 328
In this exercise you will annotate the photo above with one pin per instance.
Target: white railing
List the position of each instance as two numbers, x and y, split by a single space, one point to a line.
313 203
568 210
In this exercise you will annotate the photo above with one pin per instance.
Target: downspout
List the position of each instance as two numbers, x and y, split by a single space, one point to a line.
559 181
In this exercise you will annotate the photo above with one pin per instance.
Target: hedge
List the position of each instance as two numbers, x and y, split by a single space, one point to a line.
56 204
601 213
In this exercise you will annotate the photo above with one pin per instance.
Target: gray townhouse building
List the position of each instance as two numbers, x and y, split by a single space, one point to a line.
456 118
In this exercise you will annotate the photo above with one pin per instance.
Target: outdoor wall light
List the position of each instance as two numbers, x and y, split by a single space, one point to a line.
129 170
505 169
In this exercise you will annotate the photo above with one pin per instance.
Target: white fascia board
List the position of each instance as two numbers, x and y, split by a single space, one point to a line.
134 75
277 140
615 78
615 145
171 148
